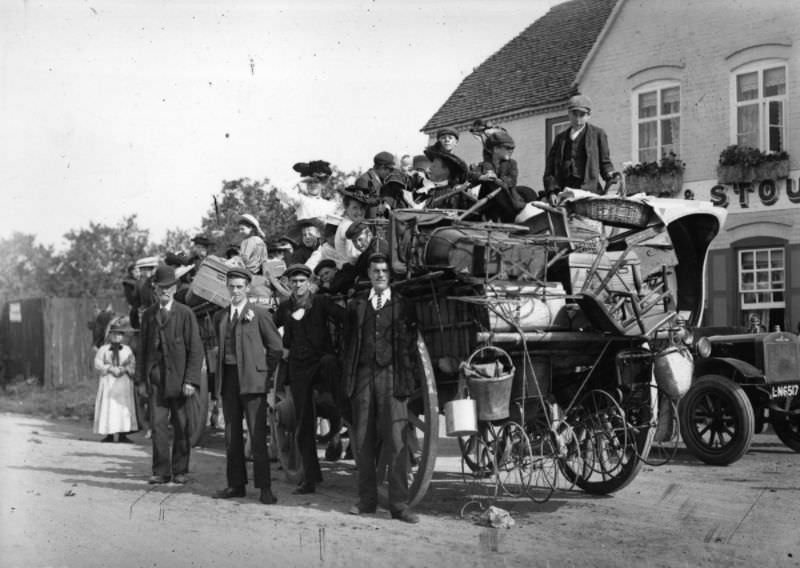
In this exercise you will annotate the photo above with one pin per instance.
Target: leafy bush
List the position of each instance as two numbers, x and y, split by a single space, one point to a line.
735 155
669 165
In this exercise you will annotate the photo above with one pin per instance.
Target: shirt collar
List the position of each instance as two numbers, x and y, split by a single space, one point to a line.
575 133
239 307
387 294
167 307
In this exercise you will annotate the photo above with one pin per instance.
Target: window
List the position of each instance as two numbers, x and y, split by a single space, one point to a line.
760 97
553 127
657 121
762 278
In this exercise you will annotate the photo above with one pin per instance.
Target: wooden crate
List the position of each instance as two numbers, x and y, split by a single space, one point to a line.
209 282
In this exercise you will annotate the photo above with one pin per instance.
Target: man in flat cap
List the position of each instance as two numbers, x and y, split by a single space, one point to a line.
168 366
250 349
372 180
448 173
305 319
579 157
497 177
446 139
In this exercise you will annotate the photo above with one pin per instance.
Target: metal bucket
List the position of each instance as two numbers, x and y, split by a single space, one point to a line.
490 385
673 368
461 417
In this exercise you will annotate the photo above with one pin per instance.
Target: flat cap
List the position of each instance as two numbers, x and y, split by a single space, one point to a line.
296 269
580 102
445 131
323 264
383 159
239 273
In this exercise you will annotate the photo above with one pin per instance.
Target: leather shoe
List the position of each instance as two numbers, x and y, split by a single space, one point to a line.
229 493
358 509
179 478
406 516
304 488
267 497
158 479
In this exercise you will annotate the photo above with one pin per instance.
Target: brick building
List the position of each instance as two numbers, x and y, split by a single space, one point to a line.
685 76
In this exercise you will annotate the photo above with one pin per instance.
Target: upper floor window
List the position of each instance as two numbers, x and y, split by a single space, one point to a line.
658 121
760 96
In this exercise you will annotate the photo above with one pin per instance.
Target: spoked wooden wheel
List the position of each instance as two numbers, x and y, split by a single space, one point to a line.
477 462
650 407
422 436
513 460
545 454
609 448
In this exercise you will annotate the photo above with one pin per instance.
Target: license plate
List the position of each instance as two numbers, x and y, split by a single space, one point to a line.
782 391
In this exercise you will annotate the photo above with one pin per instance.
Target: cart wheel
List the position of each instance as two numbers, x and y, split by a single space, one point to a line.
477 463
545 453
609 449
717 421
513 460
787 427
639 407
283 443
423 434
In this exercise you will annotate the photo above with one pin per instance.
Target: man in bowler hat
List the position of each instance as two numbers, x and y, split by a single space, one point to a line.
249 352
169 361
579 157
380 369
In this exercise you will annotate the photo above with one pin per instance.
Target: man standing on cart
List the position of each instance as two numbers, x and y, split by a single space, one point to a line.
379 375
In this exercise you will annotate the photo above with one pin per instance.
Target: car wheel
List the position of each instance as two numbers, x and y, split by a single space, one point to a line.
716 420
787 426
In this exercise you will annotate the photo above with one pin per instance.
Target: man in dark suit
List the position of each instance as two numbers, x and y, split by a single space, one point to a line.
169 361
305 318
249 352
579 156
379 375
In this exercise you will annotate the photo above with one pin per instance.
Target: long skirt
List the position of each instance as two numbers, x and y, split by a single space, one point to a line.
115 406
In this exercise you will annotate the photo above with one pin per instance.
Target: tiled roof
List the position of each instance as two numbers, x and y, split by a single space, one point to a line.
535 68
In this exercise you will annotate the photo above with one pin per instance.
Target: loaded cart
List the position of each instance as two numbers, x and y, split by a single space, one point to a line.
566 331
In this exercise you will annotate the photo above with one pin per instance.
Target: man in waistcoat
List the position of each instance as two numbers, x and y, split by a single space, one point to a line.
579 157
379 374
169 361
249 352
304 317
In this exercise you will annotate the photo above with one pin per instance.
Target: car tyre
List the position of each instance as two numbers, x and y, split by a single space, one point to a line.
716 420
787 427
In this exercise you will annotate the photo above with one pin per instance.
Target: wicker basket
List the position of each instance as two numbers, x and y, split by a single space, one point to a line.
490 385
618 212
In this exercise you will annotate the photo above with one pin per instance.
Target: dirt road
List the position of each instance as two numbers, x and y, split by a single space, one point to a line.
67 500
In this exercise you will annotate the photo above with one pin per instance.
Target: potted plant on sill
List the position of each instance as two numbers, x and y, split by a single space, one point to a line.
662 179
742 164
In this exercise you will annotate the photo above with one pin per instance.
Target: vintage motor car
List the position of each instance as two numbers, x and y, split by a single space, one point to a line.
742 381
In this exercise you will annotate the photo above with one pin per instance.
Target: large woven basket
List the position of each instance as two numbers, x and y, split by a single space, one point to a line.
619 212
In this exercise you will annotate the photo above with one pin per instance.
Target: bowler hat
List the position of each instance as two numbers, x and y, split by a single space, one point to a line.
237 272
355 229
248 219
164 276
323 264
300 269
458 167
383 159
445 131
580 102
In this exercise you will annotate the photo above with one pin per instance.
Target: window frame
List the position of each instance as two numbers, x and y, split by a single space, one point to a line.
759 67
657 86
769 269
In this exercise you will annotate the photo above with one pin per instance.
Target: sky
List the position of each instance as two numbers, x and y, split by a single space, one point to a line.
112 108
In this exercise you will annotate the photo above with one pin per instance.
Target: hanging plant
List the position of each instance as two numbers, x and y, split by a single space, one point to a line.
663 178
742 164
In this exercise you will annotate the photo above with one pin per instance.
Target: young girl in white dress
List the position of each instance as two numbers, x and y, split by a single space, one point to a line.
115 407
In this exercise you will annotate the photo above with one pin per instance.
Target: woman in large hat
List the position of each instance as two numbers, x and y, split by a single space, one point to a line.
312 197
356 201
448 172
252 249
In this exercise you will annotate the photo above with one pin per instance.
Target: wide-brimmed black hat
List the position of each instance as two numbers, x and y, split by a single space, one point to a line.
164 276
314 167
458 167
358 194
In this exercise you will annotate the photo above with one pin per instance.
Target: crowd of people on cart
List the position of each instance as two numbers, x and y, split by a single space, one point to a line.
316 309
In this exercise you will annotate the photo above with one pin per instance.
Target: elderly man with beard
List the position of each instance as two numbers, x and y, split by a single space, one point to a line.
304 317
169 360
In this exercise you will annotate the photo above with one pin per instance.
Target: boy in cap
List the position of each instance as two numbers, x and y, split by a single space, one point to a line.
446 139
498 170
373 179
579 157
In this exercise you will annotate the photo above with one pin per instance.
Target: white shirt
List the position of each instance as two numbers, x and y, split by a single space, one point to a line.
386 297
237 310
573 134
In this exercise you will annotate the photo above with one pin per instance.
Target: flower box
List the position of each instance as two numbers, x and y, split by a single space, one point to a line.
739 173
660 185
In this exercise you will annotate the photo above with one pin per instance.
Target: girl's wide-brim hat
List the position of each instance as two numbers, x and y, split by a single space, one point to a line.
458 167
249 219
120 325
358 194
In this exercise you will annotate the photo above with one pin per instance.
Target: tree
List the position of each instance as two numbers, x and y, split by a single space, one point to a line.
176 240
25 267
97 258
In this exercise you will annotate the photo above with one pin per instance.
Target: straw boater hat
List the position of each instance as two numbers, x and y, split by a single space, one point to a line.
248 219
457 166
147 262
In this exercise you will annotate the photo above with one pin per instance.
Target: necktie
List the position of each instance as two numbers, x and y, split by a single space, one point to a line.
164 312
378 302
234 315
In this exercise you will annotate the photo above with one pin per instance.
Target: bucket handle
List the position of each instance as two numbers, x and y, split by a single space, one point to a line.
497 350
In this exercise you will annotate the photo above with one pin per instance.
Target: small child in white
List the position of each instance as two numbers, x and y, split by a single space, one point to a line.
115 407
